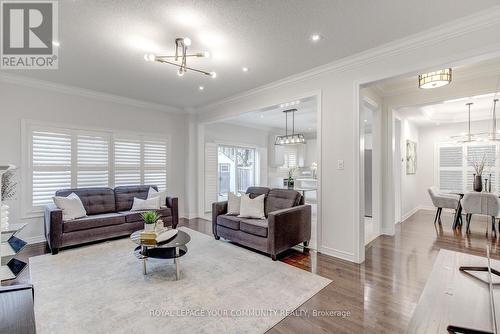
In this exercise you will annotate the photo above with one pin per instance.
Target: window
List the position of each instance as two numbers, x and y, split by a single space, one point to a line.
236 169
66 158
290 157
455 173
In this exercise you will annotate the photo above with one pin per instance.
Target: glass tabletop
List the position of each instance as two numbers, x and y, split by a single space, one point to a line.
180 239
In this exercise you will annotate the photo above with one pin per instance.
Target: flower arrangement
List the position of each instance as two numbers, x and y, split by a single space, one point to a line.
478 163
291 173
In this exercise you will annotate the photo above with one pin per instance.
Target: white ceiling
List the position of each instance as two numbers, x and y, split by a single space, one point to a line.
452 111
273 117
103 42
447 107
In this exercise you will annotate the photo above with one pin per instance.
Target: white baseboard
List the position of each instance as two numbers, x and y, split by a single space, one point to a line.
409 213
337 253
35 240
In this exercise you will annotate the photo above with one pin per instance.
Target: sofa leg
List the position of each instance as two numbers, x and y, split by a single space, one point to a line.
216 237
273 257
306 243
54 251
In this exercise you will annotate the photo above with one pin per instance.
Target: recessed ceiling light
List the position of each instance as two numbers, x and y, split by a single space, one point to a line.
201 88
244 69
56 43
315 37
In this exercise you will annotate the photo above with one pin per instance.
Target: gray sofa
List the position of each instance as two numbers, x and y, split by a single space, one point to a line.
108 216
287 223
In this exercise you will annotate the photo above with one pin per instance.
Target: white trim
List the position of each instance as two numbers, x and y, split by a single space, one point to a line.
430 37
338 253
35 239
88 93
409 214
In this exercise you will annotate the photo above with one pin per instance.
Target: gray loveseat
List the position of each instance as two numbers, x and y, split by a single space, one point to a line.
108 216
287 223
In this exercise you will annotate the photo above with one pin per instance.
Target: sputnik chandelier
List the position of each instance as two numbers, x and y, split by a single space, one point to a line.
180 58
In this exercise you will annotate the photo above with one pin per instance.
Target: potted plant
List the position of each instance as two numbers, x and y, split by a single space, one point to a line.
150 218
291 181
479 165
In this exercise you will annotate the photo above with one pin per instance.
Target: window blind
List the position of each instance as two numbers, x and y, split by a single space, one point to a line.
290 155
127 162
92 161
51 164
65 158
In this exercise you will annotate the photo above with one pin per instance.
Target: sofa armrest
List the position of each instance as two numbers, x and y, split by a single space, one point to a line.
288 227
53 219
218 208
173 204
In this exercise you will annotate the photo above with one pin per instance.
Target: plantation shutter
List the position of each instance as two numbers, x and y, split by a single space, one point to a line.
210 175
92 160
127 162
291 157
451 163
155 163
51 164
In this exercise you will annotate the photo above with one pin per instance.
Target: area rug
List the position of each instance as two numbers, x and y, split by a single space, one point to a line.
223 288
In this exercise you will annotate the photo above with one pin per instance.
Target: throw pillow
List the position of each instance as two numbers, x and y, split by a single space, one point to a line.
233 204
71 206
252 208
161 194
146 204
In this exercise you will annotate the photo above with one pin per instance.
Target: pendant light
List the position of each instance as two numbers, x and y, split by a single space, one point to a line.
293 138
467 137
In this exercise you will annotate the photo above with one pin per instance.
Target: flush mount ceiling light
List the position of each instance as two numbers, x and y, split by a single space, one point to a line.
434 79
180 58
293 138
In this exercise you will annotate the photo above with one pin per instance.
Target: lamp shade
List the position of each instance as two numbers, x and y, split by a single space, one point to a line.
434 79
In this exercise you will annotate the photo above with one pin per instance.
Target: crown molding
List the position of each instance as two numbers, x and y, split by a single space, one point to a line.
88 93
456 28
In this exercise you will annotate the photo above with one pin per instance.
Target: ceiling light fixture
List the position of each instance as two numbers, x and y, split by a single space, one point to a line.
315 37
290 139
201 88
467 137
244 69
435 79
180 58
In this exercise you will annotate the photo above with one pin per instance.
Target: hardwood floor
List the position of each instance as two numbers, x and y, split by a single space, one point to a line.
378 296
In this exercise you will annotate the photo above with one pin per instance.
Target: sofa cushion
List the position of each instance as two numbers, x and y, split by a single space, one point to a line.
257 191
94 200
94 221
256 227
279 199
124 196
135 216
231 222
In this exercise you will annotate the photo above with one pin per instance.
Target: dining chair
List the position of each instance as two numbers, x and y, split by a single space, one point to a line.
482 204
443 201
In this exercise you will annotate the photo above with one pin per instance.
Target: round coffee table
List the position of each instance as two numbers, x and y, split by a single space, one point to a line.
172 248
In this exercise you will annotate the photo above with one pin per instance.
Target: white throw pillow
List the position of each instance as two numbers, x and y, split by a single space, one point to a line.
152 193
233 204
71 206
252 208
146 204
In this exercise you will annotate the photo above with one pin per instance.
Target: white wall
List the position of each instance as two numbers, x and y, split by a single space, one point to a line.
338 86
20 101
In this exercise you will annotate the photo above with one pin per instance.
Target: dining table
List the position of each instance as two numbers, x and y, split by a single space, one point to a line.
457 221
